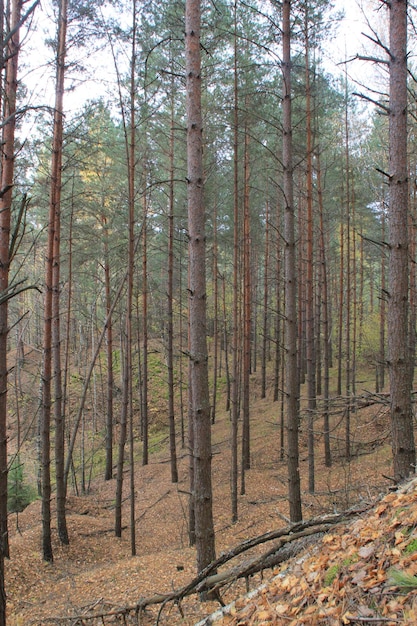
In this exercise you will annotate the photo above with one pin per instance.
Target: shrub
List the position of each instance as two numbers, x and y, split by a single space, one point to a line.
20 495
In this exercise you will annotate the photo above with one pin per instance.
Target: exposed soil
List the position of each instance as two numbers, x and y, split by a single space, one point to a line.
96 572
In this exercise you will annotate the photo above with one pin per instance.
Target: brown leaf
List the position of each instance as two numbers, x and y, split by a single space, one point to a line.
367 551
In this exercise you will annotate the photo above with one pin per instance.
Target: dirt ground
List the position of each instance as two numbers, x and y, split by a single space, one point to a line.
96 572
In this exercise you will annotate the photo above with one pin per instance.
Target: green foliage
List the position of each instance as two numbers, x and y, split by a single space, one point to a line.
350 560
370 340
20 494
331 574
402 579
411 547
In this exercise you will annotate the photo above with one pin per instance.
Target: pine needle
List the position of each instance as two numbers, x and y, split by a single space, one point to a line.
402 580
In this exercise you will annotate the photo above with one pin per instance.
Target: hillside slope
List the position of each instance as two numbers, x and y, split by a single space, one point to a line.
96 574
361 573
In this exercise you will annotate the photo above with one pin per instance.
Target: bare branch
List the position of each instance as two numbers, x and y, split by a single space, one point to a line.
369 99
15 289
20 23
376 40
377 60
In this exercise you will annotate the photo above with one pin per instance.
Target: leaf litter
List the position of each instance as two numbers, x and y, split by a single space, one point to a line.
363 589
345 578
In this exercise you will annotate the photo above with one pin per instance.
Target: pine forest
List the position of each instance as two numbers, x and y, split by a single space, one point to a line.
208 251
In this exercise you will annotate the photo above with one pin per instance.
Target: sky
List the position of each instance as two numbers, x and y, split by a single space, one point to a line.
351 40
348 42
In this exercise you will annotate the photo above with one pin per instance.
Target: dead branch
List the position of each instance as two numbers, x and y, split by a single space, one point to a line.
268 559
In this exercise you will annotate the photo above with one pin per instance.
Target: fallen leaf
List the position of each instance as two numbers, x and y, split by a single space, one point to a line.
281 608
367 551
359 576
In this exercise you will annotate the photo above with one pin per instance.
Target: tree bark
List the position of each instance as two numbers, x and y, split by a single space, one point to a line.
203 495
170 301
380 379
55 213
325 322
265 318
216 324
310 326
126 416
403 446
7 172
291 374
109 357
235 326
247 313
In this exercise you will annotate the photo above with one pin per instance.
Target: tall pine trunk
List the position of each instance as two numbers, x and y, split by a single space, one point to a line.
403 447
109 357
247 314
170 301
10 58
51 341
291 374
310 326
235 326
55 200
380 368
265 318
126 416
325 322
203 496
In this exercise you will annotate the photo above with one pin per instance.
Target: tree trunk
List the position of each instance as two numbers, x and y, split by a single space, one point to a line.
291 374
170 303
348 265
225 343
51 347
145 375
203 495
265 305
403 446
341 305
109 357
235 325
127 409
7 172
247 326
310 326
380 384
215 314
55 213
325 322
413 300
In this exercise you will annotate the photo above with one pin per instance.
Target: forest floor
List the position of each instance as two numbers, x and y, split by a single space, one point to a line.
342 578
